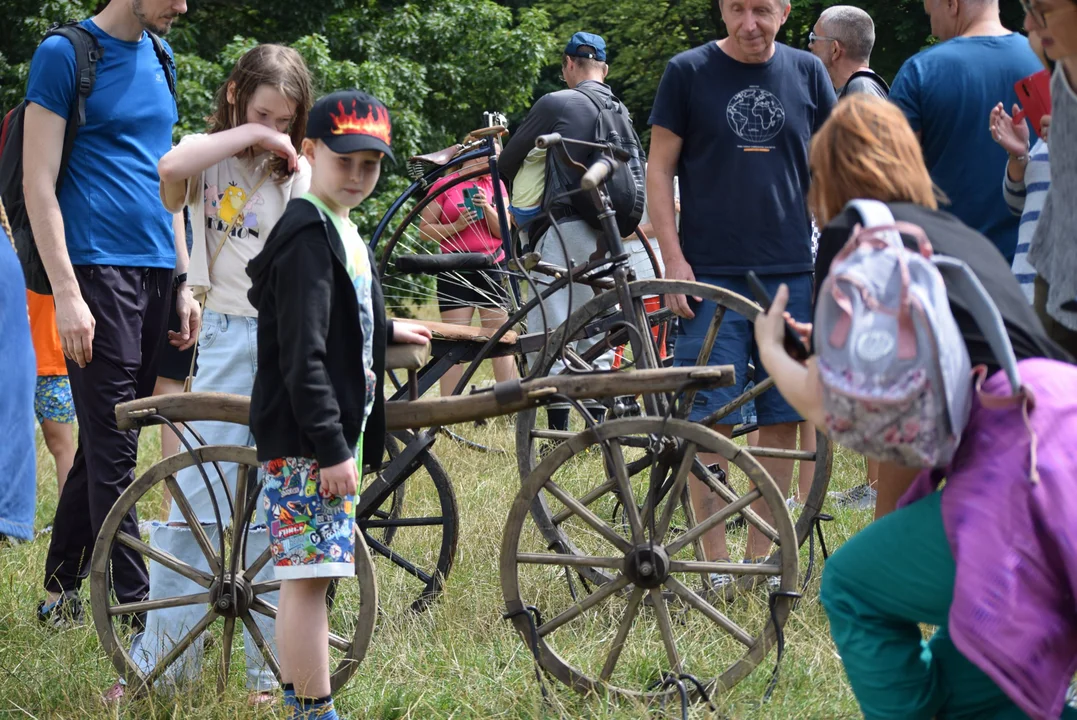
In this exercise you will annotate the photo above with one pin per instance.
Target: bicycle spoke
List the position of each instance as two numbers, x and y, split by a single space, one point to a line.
178 649
256 567
397 560
193 523
589 602
147 605
709 611
622 634
589 517
620 472
674 495
665 627
714 520
168 560
259 639
226 655
613 563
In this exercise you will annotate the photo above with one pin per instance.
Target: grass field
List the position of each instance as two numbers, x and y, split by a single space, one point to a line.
459 659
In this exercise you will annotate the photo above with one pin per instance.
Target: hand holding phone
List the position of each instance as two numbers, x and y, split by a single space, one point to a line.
791 341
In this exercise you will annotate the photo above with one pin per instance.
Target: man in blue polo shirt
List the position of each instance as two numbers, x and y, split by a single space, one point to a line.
733 120
946 92
110 250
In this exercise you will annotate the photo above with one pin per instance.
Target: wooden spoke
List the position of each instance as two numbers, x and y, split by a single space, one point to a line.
710 612
623 629
147 605
168 560
540 434
338 642
226 654
265 587
704 357
194 524
624 483
256 567
674 495
589 517
589 602
781 453
586 500
727 568
178 649
260 640
713 521
729 495
739 401
612 563
262 607
665 627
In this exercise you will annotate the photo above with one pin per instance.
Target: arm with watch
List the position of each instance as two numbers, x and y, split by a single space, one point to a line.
190 314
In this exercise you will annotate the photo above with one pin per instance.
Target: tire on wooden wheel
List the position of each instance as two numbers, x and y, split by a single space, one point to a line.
351 623
646 620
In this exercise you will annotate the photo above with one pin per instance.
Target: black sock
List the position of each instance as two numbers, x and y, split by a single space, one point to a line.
557 418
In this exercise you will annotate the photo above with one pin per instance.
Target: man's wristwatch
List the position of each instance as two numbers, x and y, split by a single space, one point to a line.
178 280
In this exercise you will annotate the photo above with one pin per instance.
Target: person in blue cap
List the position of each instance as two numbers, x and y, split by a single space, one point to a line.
572 113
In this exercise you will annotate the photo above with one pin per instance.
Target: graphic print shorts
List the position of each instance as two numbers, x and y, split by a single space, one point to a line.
311 533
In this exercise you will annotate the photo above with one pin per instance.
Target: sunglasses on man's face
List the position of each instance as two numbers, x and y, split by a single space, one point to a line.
813 38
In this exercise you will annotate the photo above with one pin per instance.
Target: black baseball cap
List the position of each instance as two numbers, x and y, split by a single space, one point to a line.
349 121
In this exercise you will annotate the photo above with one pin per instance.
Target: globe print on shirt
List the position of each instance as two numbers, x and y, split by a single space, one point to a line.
755 115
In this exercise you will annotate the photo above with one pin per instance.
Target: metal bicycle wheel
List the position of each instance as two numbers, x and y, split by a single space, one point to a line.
413 534
646 620
537 433
223 599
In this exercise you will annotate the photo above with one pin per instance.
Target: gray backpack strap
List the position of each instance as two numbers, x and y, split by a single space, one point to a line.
872 212
958 275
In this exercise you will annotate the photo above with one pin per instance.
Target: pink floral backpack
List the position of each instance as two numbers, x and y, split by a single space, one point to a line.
893 363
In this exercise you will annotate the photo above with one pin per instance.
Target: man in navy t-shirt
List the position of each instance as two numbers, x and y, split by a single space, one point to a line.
948 90
110 249
733 119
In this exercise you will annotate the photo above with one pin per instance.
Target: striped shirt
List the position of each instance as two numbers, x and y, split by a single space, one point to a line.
1026 199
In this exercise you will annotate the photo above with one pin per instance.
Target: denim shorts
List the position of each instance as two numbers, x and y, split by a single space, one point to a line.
735 346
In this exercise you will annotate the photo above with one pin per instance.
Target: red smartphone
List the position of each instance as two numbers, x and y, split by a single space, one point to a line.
1034 95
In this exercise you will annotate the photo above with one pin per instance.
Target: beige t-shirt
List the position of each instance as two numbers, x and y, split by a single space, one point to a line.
223 197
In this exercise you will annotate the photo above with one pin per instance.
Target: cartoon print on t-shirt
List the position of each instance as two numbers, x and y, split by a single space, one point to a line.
755 115
250 218
212 198
232 202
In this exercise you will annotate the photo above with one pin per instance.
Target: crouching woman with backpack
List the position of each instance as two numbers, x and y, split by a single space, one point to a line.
991 558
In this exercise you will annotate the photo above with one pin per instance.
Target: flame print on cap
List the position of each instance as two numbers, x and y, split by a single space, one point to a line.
375 123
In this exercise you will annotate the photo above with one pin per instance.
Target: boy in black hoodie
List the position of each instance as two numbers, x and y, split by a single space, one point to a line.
318 391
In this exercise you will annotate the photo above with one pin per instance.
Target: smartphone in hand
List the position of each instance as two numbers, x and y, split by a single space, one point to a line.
791 342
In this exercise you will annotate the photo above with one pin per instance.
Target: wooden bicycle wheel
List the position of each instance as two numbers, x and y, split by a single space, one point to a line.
224 597
601 318
646 620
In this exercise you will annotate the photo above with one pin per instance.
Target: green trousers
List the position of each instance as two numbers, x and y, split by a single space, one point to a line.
877 589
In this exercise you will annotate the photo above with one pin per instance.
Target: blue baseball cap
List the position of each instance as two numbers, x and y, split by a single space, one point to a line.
585 39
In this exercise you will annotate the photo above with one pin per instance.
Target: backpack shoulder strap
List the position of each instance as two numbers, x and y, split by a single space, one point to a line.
959 277
865 74
166 61
873 213
87 53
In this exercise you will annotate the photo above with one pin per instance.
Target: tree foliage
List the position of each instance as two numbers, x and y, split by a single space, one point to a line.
438 64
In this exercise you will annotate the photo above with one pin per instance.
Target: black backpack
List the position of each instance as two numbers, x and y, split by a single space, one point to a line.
87 53
626 185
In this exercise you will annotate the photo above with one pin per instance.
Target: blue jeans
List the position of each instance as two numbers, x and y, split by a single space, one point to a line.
735 345
227 362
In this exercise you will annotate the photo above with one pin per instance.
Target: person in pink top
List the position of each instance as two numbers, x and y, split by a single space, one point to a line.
464 219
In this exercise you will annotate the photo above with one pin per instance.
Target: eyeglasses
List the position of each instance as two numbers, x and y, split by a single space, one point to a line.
812 37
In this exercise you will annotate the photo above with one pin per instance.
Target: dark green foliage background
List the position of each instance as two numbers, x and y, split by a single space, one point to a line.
439 64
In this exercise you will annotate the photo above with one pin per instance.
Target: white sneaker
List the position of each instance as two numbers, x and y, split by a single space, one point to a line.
793 505
774 582
720 581
861 497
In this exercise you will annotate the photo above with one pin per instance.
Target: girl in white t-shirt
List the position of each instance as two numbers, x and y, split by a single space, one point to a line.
236 179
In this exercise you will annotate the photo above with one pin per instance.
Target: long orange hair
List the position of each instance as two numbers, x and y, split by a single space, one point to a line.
866 149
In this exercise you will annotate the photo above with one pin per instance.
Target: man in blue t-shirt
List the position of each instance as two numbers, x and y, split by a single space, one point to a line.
733 120
948 90
110 250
